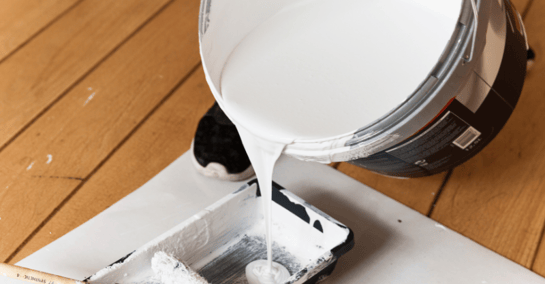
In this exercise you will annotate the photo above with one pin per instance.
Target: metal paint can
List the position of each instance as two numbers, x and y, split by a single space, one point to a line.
457 110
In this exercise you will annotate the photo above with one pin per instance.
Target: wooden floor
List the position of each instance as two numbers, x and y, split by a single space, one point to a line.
97 97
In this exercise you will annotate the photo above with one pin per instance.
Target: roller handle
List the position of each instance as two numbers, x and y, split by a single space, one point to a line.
33 276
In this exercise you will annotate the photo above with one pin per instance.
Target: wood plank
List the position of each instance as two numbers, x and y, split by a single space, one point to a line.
496 198
45 68
80 131
418 194
163 138
22 19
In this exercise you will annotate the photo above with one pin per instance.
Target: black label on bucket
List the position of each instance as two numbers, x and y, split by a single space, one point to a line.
452 138
433 147
457 133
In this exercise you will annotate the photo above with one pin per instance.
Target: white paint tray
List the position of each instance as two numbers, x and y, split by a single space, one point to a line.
221 240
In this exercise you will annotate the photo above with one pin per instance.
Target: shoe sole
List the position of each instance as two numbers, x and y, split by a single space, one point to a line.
218 171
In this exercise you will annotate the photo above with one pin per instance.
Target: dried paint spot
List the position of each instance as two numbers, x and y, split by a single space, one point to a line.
30 166
49 159
89 98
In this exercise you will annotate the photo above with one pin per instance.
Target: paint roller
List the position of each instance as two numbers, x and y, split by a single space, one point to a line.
167 269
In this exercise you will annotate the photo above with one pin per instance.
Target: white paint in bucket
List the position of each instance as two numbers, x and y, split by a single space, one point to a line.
320 69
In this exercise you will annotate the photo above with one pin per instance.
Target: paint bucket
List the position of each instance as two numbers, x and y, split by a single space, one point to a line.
456 111
221 240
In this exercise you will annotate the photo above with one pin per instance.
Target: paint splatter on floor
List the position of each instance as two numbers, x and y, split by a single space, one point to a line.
89 98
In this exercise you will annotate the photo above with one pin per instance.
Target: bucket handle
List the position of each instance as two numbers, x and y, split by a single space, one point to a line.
468 59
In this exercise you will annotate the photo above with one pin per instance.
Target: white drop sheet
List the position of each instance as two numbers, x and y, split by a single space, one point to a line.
417 250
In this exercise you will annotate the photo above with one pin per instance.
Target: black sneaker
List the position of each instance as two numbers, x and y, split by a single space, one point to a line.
217 149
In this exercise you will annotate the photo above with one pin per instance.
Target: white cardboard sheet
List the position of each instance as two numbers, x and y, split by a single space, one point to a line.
417 250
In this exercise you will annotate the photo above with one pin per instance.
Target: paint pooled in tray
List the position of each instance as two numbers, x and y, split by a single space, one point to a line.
229 267
221 240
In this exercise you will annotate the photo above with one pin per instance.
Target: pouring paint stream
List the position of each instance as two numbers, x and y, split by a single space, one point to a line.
263 155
